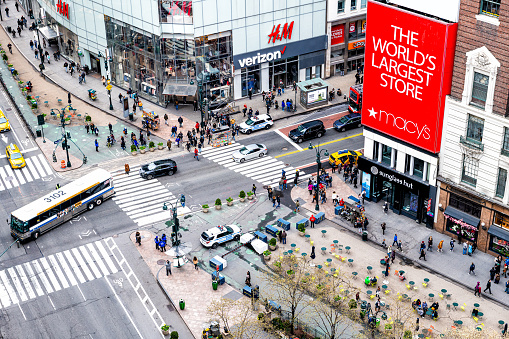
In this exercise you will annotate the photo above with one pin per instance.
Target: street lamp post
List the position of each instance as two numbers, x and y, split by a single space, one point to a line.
175 235
295 102
319 165
202 101
66 146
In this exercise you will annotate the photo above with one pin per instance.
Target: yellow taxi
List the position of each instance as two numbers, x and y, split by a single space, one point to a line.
340 158
15 157
4 123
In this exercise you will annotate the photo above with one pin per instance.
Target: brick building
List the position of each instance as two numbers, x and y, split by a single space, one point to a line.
474 158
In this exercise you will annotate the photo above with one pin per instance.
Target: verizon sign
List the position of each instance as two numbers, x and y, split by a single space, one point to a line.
408 73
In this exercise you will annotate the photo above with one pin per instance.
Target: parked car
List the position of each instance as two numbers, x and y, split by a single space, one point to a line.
249 152
348 121
220 235
307 130
15 157
345 156
256 123
158 168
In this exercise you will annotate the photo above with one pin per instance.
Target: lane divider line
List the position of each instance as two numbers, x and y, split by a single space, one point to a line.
320 145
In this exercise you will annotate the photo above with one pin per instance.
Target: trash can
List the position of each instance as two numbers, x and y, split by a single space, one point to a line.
38 133
131 116
214 285
182 304
365 236
9 29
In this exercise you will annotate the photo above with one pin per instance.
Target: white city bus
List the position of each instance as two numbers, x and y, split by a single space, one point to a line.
59 206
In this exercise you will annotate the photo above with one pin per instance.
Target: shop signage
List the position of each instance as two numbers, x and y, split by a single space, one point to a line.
363 26
408 74
317 96
352 27
366 184
286 32
357 44
337 34
63 8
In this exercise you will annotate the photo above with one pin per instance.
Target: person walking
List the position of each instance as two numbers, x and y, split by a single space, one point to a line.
465 248
180 121
168 267
196 154
313 255
297 206
6 11
430 243
156 240
477 289
248 279
488 286
16 5
393 256
440 244
507 287
269 192
312 220
254 190
31 45
472 269
278 201
386 205
9 46
168 143
296 179
96 145
384 225
283 237
138 238
423 254
195 262
399 245
273 201
395 241
127 169
451 243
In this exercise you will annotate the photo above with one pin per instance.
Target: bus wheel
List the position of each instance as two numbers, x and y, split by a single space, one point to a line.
91 206
99 201
35 235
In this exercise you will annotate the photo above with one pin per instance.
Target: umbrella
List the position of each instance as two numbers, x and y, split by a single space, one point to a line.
179 251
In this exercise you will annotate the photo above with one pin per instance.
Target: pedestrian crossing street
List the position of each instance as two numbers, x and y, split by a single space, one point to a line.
56 272
266 170
143 199
37 167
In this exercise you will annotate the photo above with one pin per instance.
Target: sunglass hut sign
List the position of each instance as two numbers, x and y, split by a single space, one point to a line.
278 33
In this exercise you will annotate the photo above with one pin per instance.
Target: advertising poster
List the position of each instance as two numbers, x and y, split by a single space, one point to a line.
337 34
352 27
363 26
408 73
317 96
366 179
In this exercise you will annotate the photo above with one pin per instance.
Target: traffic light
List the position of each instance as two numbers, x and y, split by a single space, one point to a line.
183 200
68 135
64 144
165 208
68 98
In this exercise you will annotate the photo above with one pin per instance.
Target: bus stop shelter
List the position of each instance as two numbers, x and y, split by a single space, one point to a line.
313 93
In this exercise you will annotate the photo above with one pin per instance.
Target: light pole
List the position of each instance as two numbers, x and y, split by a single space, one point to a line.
175 235
202 101
319 165
66 146
295 102
39 47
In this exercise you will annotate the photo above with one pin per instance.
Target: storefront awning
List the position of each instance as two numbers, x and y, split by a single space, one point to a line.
180 89
499 232
460 215
48 32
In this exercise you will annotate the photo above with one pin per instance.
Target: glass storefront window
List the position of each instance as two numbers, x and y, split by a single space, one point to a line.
285 71
463 231
499 245
465 205
250 78
418 168
386 155
501 220
176 11
410 203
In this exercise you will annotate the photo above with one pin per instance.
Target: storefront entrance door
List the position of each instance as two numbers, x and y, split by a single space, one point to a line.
95 65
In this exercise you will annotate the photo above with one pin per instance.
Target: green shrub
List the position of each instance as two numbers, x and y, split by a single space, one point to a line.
5 57
133 148
88 118
142 147
218 202
352 304
15 72
242 194
165 327
174 335
34 106
272 242
205 206
407 334
301 228
266 252
29 97
160 144
151 144
249 193
229 199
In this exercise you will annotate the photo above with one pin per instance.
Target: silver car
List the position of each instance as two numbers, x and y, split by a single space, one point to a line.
249 152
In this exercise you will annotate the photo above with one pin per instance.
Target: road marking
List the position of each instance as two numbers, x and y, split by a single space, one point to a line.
58 270
51 276
90 262
4 296
74 266
320 145
17 284
8 169
24 316
20 177
51 301
98 259
45 164
25 171
34 280
24 280
66 268
84 267
42 276
106 257
4 178
8 287
38 166
289 140
32 168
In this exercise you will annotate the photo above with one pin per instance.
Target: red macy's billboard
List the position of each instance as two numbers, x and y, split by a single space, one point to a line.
407 74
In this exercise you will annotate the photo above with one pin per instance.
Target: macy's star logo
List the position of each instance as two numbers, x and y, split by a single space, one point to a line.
372 112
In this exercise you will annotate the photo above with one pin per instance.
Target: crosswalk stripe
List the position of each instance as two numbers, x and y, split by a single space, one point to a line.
248 164
20 177
26 173
149 201
106 257
66 268
33 279
74 266
126 180
215 149
26 283
30 165
3 175
268 165
17 284
4 296
146 211
98 259
133 196
125 206
50 273
45 164
14 182
2 187
160 216
137 187
274 173
82 263
8 287
38 165
42 276
58 271
90 262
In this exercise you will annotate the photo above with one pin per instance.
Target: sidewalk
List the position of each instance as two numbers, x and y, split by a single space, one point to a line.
451 265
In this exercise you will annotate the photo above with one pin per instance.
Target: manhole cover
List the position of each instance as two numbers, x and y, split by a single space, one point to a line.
9 178
161 262
9 109
284 149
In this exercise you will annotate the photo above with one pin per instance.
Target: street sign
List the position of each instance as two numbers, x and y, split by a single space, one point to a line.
109 87
57 141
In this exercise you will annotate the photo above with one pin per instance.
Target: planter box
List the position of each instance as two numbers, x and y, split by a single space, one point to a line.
152 149
142 151
242 199
221 278
250 197
205 210
229 203
218 207
134 153
251 292
266 257
160 147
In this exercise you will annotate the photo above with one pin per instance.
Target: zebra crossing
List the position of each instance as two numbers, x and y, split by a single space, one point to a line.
56 272
141 199
266 170
37 167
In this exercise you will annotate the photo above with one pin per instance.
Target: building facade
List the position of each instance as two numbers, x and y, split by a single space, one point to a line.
162 48
346 30
474 159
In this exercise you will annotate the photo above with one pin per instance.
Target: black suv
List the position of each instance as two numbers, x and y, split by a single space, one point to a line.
348 121
308 130
158 168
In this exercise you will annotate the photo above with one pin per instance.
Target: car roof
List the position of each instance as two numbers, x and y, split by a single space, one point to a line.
13 147
163 162
253 146
312 123
353 115
220 229
261 117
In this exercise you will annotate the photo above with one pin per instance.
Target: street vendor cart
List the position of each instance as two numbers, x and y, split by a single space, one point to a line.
221 139
150 120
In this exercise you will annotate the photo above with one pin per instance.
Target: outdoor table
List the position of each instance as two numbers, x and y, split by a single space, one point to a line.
285 253
479 315
431 296
293 246
401 272
444 291
455 305
384 287
459 322
411 283
476 305
369 269
290 251
323 250
350 262
405 296
333 270
501 323
369 292
429 312
319 266
323 233
329 260
348 248
426 280
354 275
382 262
303 254
307 237
336 243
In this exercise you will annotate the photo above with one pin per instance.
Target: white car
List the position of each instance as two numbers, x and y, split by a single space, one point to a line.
220 235
249 152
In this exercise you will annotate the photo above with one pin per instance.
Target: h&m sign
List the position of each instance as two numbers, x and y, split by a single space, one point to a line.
63 8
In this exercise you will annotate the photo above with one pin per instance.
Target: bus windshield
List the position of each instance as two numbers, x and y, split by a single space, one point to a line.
18 225
354 105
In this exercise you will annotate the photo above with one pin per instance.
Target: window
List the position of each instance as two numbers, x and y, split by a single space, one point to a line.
501 220
341 6
470 168
408 161
465 205
480 89
376 148
353 5
364 3
386 155
308 73
475 128
490 7
505 144
502 178
418 168
318 71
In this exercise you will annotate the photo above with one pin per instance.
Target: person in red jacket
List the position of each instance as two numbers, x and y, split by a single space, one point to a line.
196 154
312 219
